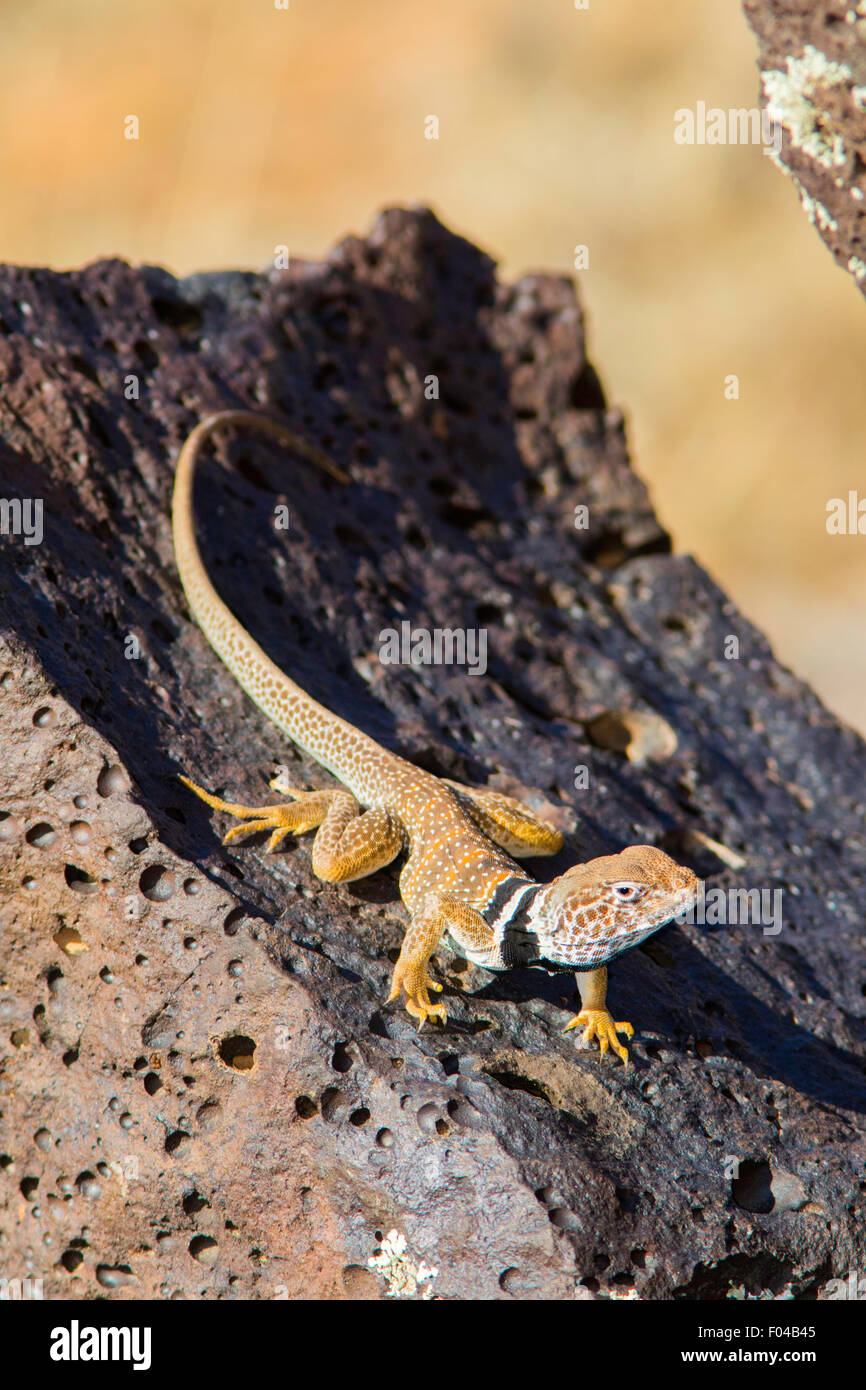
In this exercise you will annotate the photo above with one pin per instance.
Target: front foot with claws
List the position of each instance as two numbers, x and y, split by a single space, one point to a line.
415 983
598 1023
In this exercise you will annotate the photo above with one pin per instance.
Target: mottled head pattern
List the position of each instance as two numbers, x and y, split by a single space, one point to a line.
606 906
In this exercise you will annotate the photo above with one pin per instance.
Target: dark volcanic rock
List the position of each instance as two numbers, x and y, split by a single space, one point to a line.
230 1108
813 82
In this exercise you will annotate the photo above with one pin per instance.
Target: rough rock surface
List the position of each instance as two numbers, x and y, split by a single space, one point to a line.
203 1093
813 81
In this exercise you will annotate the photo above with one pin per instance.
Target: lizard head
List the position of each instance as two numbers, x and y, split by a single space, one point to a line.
599 909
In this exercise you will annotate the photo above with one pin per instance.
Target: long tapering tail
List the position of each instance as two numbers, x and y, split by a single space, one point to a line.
334 743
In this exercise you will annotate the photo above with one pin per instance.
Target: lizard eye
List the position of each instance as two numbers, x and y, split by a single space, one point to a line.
628 892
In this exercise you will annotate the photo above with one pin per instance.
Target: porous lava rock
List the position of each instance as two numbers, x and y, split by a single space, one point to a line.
204 1093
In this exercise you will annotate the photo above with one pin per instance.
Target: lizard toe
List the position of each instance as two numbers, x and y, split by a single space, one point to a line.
598 1024
239 832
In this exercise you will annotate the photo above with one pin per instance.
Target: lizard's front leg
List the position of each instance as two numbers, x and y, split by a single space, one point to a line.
594 1016
439 914
508 822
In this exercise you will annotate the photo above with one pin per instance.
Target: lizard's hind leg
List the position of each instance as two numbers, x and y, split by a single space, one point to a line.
508 822
306 812
349 844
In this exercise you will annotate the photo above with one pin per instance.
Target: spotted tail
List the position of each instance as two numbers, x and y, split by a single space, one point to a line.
333 742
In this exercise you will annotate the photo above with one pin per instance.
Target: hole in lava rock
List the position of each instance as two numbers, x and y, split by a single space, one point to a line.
751 1189
79 880
237 1051
157 883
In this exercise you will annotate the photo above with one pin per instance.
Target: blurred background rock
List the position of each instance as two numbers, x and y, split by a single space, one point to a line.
261 126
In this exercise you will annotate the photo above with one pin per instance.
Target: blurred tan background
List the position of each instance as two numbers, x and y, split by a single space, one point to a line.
261 126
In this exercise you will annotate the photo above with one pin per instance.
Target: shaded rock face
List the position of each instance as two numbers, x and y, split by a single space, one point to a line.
203 1093
812 57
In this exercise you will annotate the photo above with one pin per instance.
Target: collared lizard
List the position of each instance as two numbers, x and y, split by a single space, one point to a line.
460 877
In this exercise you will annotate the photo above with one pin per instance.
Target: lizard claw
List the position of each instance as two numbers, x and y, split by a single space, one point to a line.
250 827
415 984
597 1023
254 827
